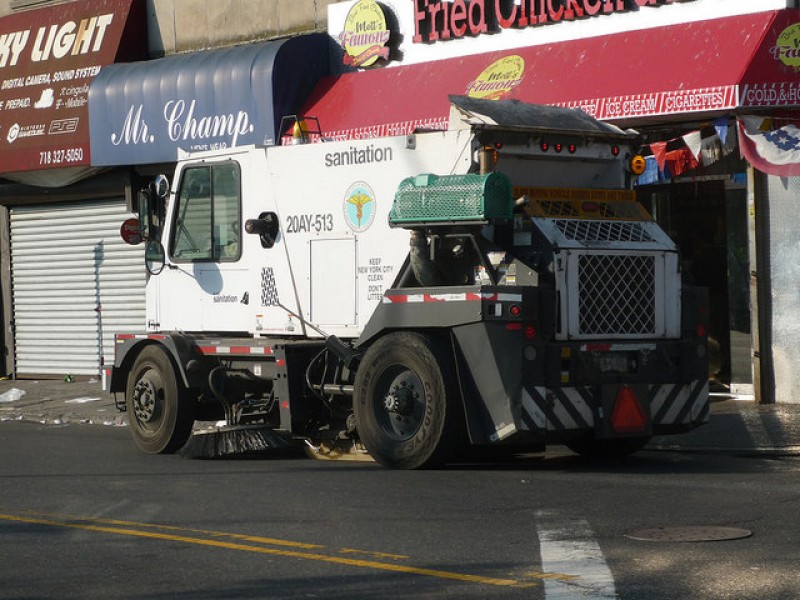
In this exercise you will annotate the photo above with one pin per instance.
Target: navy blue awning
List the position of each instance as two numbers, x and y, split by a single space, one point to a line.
144 112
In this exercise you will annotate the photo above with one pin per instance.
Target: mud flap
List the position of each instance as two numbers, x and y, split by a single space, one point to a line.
490 370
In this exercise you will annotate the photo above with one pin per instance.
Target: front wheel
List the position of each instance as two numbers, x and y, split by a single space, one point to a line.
407 414
158 407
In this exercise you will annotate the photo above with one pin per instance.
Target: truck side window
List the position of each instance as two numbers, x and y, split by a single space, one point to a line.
207 224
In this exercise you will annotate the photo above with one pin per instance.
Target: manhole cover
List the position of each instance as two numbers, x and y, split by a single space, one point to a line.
689 534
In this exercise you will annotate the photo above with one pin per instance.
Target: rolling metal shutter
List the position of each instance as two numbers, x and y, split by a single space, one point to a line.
75 283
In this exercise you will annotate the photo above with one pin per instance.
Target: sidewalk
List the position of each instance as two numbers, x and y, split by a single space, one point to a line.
57 402
741 426
737 426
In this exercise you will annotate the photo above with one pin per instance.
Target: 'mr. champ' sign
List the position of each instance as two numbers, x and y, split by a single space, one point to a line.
148 112
440 20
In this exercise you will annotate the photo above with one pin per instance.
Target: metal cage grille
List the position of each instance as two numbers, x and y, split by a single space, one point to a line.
616 294
432 198
603 231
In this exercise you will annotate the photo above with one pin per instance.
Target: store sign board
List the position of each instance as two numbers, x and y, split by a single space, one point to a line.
659 103
442 20
772 77
148 112
48 58
786 49
498 80
365 36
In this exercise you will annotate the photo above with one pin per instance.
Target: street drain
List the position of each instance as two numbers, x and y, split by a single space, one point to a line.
689 534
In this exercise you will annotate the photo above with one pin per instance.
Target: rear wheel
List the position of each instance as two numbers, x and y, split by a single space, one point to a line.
158 407
407 415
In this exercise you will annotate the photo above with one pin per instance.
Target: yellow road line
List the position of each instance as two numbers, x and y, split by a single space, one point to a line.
373 553
340 560
236 536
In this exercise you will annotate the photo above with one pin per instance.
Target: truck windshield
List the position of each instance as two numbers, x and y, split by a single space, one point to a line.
207 223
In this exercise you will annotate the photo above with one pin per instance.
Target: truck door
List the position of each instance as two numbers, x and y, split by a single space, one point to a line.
204 287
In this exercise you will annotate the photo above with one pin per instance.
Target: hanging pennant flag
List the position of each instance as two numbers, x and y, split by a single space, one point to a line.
694 142
773 151
721 125
711 151
681 160
652 174
659 150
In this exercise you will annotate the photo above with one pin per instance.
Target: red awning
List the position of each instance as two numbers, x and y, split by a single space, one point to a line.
703 67
48 58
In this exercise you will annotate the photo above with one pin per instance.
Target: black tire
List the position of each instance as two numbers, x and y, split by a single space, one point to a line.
407 414
159 411
614 448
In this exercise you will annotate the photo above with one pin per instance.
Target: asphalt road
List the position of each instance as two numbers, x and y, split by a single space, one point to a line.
84 515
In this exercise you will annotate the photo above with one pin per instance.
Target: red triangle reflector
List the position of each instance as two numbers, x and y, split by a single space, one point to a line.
628 416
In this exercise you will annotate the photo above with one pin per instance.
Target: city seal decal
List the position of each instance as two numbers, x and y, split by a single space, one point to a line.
499 80
365 37
359 206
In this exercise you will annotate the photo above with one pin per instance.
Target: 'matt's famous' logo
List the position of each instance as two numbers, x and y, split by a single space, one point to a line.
787 47
365 36
498 80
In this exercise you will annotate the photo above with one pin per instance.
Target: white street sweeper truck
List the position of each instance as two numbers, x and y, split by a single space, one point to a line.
414 297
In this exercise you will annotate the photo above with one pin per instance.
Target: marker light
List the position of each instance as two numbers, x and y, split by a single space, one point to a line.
558 147
637 164
514 310
572 148
300 132
529 332
615 150
544 146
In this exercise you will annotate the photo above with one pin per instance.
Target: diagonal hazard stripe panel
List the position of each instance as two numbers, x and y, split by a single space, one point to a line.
680 404
533 415
557 409
571 409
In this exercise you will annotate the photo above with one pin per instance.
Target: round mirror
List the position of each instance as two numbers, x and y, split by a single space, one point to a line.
154 257
161 186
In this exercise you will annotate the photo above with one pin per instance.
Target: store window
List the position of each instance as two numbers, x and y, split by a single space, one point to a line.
207 223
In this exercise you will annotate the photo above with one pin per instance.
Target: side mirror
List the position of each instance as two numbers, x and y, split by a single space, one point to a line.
151 204
161 186
154 257
266 226
145 220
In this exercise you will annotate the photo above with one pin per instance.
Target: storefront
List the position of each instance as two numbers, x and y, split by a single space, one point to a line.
84 123
67 281
143 114
683 74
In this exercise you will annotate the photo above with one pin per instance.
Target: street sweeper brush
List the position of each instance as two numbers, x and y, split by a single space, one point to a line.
233 441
